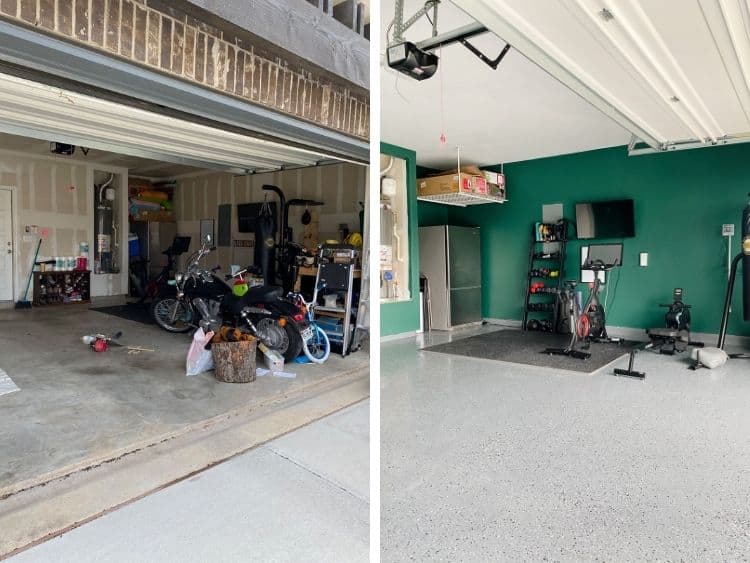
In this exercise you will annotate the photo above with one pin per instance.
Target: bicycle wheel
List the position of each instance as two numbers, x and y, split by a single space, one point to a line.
318 347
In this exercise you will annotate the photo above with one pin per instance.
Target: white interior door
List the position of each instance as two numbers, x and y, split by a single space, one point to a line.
6 241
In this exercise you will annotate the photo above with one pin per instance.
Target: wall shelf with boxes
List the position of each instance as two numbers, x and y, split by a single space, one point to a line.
150 202
545 276
62 288
463 187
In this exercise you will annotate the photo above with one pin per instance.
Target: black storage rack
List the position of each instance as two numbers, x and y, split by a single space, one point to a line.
547 254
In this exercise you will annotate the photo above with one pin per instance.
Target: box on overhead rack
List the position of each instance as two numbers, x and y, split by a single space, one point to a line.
471 182
497 178
495 190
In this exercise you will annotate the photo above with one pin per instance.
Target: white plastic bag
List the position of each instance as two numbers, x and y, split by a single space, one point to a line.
199 359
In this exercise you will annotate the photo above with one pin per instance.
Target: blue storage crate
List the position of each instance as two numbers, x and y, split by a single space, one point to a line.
134 246
333 327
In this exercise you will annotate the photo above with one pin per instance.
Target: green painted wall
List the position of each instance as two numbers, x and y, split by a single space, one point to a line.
681 200
431 214
403 316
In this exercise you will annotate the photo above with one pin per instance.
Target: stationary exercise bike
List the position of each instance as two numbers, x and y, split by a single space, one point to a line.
591 325
588 323
567 297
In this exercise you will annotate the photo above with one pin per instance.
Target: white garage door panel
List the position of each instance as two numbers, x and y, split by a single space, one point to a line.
692 46
570 35
670 71
40 111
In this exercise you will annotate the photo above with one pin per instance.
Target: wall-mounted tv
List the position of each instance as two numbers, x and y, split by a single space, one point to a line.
605 219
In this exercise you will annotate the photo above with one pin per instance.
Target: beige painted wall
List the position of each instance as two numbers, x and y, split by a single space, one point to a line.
340 186
52 193
43 196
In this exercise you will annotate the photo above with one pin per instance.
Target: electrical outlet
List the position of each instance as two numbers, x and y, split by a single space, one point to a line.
643 259
727 230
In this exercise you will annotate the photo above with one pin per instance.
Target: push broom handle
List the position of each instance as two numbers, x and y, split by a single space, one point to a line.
31 272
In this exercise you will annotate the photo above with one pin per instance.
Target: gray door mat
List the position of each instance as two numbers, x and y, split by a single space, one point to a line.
527 347
137 312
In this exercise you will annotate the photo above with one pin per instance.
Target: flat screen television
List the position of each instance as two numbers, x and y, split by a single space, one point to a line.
605 219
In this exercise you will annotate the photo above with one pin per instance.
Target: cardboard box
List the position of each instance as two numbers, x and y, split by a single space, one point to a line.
448 184
497 191
494 178
481 188
271 358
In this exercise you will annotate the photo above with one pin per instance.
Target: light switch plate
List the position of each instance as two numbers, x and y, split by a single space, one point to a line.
643 259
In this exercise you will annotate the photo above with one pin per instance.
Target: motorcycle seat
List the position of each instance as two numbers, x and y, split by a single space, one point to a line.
263 294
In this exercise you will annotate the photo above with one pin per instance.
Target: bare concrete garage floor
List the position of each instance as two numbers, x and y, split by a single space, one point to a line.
77 409
301 497
488 461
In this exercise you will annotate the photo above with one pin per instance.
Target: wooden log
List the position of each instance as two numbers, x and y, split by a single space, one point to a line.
234 362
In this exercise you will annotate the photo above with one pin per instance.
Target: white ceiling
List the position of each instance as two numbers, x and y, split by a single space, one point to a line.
516 112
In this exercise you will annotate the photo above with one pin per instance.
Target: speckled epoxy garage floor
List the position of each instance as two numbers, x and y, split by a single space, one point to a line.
488 461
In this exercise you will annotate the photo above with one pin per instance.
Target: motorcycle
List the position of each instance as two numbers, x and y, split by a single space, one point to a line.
204 299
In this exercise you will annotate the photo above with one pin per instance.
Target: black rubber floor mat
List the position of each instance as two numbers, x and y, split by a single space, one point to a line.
130 311
528 348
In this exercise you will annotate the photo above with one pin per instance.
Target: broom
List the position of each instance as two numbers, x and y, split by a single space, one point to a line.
25 303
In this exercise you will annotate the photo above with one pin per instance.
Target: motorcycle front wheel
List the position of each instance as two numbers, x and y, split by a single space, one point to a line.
286 340
172 315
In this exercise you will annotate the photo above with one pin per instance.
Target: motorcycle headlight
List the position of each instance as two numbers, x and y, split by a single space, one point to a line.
179 278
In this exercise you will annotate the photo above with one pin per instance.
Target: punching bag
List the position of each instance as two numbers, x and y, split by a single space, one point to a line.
265 244
746 262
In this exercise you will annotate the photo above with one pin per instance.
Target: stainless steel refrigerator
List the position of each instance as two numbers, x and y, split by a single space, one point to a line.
450 258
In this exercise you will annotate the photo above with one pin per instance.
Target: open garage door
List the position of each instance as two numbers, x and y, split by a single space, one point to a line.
41 111
30 109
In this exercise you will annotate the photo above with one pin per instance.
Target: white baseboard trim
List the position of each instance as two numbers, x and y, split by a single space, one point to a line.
399 336
639 334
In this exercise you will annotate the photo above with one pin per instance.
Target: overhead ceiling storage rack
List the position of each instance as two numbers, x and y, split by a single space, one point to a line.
461 200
